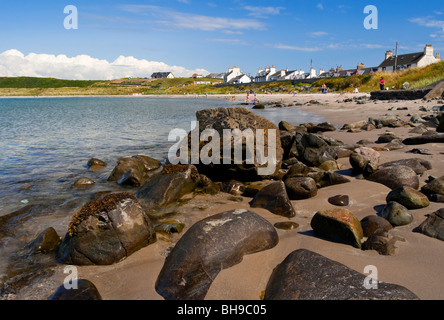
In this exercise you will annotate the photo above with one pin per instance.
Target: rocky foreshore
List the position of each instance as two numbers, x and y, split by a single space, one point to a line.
363 189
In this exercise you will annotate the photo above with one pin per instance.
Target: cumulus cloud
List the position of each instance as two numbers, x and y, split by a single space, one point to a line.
14 63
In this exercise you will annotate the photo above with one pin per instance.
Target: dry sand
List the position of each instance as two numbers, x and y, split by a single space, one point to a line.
417 263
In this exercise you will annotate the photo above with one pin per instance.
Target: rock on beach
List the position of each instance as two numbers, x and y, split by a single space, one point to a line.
306 275
209 246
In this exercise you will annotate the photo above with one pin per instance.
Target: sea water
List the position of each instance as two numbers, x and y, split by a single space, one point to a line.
45 144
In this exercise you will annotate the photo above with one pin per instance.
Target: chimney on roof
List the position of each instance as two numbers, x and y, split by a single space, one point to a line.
361 66
438 57
428 50
388 54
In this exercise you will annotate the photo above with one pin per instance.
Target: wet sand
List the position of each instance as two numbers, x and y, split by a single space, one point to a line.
417 263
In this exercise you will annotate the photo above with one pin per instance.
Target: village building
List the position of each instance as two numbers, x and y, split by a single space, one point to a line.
410 60
234 75
216 75
162 75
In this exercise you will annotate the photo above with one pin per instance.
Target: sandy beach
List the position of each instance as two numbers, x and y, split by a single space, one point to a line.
416 264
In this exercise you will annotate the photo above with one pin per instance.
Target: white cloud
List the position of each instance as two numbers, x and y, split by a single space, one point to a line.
318 34
13 63
228 41
262 12
293 48
182 20
320 6
428 22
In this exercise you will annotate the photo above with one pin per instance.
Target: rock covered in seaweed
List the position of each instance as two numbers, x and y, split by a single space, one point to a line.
167 187
106 231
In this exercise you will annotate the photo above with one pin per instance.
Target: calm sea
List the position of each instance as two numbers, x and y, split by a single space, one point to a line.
46 142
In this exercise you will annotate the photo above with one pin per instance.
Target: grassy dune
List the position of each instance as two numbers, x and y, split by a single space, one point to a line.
417 78
26 86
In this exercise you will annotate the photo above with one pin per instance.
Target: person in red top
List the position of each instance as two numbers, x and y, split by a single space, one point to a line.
382 83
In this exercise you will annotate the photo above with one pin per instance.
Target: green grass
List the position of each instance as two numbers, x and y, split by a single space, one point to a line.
30 82
28 86
417 78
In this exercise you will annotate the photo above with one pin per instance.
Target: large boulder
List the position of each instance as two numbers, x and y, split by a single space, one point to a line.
395 177
436 92
423 139
364 160
327 178
418 165
275 199
441 123
435 186
226 120
433 226
85 291
397 214
384 244
375 225
299 188
338 225
134 171
313 149
167 187
306 275
106 231
209 246
409 198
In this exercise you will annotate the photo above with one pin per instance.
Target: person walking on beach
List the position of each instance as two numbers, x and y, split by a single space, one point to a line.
382 83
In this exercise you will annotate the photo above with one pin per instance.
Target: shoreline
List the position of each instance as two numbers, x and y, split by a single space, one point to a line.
416 264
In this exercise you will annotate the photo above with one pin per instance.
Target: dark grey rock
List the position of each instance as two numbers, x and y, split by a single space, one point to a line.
274 198
424 139
397 214
166 188
85 291
306 275
418 165
339 200
375 225
134 171
209 246
106 231
383 244
434 187
409 198
433 226
395 177
83 182
299 188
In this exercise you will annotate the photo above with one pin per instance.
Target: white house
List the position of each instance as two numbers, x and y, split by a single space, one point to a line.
162 75
232 74
410 60
264 75
243 78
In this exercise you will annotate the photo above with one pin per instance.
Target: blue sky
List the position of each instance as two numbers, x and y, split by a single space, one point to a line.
214 35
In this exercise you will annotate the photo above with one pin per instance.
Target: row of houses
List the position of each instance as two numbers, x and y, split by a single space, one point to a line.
389 64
